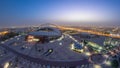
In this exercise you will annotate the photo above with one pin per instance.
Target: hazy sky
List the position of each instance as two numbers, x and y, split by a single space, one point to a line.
34 12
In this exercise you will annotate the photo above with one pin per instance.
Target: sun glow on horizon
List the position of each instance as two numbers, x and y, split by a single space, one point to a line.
79 16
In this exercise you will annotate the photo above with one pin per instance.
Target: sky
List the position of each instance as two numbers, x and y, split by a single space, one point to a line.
74 12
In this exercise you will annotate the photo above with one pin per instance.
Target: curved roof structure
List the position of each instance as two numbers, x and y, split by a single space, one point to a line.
47 31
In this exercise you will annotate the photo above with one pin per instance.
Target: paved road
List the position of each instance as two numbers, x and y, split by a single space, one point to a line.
89 31
48 62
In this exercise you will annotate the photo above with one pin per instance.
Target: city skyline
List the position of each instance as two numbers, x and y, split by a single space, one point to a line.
74 12
59 34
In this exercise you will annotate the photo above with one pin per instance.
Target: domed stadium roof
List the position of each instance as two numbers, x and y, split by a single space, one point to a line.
47 31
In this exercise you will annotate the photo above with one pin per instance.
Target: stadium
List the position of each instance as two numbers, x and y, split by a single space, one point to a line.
43 35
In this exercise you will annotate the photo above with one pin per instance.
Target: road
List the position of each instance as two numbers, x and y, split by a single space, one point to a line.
47 62
89 31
